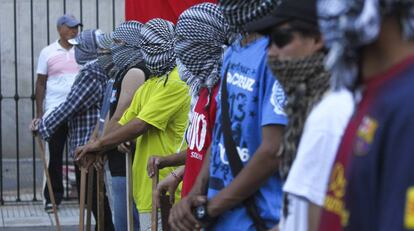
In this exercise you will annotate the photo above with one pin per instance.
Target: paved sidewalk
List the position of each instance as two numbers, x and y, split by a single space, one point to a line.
41 228
28 213
31 216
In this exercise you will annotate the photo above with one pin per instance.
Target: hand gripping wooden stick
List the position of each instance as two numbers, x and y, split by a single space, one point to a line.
154 212
128 164
48 182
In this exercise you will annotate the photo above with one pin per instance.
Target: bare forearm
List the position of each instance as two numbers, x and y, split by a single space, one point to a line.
111 126
129 131
94 134
40 94
260 167
180 171
173 160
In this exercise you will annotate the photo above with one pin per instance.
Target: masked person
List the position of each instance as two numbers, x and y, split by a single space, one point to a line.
256 127
317 116
371 50
201 34
130 74
82 105
157 116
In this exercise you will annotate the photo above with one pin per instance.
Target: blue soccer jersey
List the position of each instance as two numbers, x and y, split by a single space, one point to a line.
372 180
255 100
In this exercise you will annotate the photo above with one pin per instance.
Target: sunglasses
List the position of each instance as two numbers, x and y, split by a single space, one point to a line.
281 37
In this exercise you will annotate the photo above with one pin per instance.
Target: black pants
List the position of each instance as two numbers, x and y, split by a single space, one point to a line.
56 146
108 225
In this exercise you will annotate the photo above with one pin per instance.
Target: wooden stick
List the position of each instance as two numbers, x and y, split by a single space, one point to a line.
48 181
154 212
165 207
89 199
100 196
129 199
82 199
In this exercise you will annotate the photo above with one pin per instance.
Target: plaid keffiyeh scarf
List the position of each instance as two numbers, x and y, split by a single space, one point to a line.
304 82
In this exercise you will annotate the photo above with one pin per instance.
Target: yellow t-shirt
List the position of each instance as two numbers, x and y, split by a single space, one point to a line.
166 108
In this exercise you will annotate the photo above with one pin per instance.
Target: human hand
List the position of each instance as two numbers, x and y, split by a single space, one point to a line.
93 138
34 125
125 147
169 184
181 215
154 164
87 160
100 162
88 148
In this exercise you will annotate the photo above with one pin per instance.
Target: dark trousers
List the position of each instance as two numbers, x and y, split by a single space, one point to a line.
108 225
56 146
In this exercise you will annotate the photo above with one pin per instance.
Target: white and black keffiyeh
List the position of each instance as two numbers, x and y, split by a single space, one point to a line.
87 44
104 60
86 47
125 56
201 34
157 44
349 25
128 32
103 40
240 12
126 50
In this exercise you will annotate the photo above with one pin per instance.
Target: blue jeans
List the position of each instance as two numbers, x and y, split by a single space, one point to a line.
120 208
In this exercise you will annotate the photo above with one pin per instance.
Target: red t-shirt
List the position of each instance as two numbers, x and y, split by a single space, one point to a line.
199 136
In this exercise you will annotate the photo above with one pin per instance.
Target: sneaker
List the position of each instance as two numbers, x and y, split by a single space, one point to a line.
49 207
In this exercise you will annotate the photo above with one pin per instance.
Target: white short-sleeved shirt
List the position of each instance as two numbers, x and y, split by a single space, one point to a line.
308 178
61 69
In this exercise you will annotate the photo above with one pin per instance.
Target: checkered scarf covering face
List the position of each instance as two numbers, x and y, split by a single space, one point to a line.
304 82
86 50
348 25
240 12
128 32
201 34
105 62
128 52
104 40
157 46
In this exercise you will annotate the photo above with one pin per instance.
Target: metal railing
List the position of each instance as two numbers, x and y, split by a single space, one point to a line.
21 148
